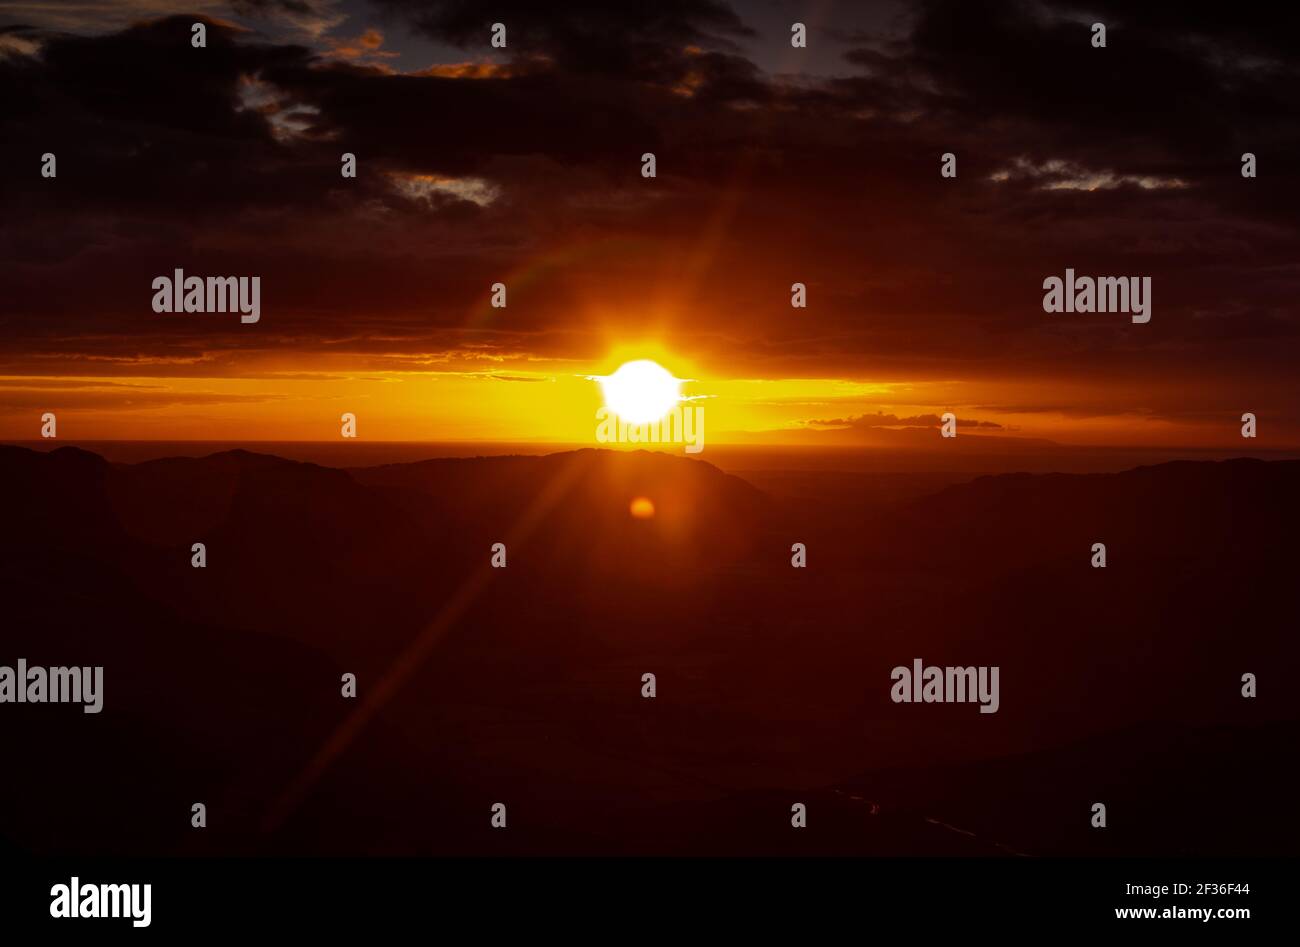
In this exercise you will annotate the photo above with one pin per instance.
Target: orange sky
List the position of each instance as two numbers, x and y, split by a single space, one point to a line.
528 400
775 166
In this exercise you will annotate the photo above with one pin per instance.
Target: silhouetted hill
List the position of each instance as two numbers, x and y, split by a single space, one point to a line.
579 501
1206 512
524 684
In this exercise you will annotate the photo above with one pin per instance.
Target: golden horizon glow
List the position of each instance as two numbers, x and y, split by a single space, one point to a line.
522 398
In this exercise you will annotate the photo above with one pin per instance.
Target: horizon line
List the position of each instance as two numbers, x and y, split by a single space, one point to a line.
511 442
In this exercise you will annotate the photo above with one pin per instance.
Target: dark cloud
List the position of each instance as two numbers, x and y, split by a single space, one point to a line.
635 40
265 7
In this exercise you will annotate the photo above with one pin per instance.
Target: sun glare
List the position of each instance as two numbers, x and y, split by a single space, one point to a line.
641 391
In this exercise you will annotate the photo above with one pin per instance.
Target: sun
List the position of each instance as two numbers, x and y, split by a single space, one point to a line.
641 391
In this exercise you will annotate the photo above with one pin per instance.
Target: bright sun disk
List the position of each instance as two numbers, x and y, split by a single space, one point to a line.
641 391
